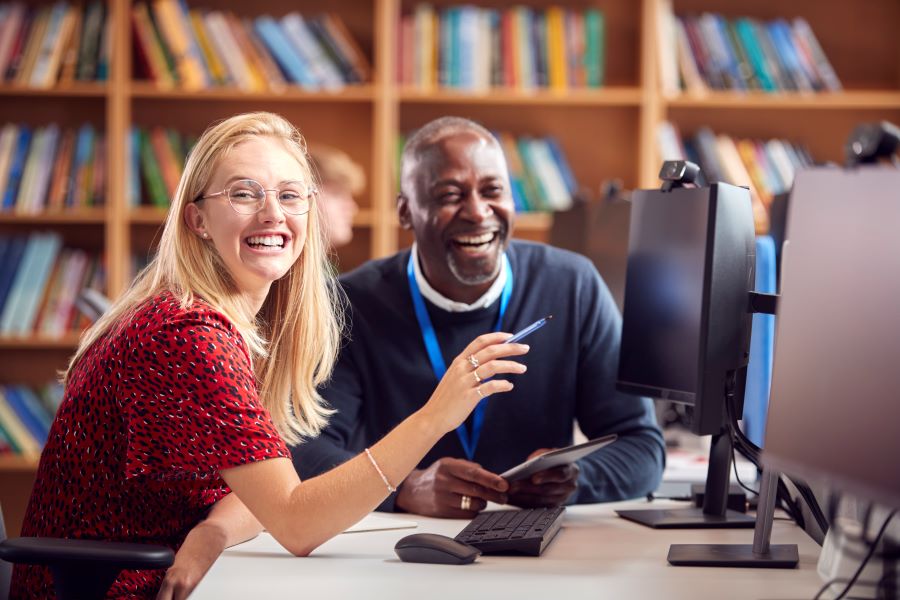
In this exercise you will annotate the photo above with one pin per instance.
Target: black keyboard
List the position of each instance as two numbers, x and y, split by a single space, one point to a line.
527 531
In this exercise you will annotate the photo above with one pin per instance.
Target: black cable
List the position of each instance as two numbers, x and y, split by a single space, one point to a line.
753 453
852 581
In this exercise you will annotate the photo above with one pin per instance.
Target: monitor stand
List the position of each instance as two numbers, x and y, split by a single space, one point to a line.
714 514
760 554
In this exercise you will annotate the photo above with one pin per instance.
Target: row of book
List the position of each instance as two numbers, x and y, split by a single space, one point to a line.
471 48
766 166
197 48
42 46
51 168
26 414
40 281
708 51
156 160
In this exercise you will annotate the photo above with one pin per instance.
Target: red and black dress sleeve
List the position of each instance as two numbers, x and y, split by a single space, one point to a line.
190 400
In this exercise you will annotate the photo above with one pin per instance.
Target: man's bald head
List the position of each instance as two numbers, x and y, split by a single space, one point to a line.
430 133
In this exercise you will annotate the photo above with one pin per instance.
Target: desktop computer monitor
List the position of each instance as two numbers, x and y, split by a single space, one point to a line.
687 320
835 405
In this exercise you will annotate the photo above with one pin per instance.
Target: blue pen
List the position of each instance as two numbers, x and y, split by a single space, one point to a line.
530 329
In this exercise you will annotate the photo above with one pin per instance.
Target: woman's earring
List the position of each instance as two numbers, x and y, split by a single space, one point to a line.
205 235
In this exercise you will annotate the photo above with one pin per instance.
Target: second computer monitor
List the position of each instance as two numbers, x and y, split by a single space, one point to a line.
686 317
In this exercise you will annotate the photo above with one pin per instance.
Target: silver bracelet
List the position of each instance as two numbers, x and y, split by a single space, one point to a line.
390 488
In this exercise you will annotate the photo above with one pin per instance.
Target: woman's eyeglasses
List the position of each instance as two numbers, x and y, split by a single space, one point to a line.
248 197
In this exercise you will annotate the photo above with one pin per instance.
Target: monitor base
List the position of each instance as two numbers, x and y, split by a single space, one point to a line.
779 556
687 518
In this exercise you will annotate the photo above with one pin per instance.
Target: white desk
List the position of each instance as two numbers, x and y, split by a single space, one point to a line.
595 555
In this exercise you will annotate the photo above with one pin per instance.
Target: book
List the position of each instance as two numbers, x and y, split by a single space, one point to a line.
12 258
17 165
272 75
149 50
595 33
31 420
323 70
225 45
152 175
33 43
174 30
807 39
69 59
11 22
15 431
9 135
34 282
59 178
218 73
348 45
286 55
50 49
92 33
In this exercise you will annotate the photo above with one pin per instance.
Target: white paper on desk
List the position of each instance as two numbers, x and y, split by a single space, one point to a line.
376 523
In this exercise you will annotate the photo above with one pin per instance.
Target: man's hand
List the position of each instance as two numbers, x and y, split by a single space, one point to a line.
438 490
551 487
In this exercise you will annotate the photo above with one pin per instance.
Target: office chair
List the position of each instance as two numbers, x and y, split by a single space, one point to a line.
82 569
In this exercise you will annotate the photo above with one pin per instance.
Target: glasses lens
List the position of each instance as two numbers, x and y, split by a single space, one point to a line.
295 197
246 196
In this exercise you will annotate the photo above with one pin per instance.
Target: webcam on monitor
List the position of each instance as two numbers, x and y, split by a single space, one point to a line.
677 173
872 142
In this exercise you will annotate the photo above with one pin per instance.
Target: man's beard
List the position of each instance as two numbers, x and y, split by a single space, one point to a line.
476 278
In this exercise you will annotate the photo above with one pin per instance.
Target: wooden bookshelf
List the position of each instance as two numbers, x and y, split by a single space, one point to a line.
606 133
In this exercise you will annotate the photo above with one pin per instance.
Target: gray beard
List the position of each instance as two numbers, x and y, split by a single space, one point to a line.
476 279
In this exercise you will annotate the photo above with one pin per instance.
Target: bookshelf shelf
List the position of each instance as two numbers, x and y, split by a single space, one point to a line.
18 462
852 100
354 93
610 96
81 216
38 342
147 215
80 90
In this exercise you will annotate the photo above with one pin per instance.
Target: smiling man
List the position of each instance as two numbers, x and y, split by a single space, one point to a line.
413 312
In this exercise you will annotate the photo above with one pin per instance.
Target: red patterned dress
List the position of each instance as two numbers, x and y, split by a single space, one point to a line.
150 416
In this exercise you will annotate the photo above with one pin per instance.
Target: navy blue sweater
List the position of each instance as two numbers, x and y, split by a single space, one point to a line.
383 374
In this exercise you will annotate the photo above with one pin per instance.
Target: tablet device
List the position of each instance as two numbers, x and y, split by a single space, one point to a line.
556 458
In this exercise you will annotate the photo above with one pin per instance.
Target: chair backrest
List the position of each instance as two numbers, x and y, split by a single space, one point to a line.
5 567
762 343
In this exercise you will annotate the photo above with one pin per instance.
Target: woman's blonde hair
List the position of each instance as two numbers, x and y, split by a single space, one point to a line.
295 337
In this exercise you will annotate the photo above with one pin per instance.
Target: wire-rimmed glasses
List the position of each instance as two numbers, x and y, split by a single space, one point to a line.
248 197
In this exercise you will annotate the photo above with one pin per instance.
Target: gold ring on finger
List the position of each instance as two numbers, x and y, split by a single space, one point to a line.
477 378
480 393
473 361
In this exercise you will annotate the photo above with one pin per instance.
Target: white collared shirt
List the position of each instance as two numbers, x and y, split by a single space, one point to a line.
435 297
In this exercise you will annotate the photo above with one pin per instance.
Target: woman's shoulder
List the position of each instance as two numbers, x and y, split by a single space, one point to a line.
166 311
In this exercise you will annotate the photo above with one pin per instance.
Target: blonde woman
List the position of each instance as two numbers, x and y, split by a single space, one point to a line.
190 386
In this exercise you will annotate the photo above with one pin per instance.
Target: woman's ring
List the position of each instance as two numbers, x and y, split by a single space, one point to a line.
473 361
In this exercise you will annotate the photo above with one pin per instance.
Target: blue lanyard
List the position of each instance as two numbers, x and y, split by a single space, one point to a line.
469 442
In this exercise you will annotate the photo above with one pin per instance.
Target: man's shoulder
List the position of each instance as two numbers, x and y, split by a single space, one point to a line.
378 281
543 258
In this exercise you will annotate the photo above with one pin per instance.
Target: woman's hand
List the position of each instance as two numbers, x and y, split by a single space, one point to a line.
201 548
466 381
